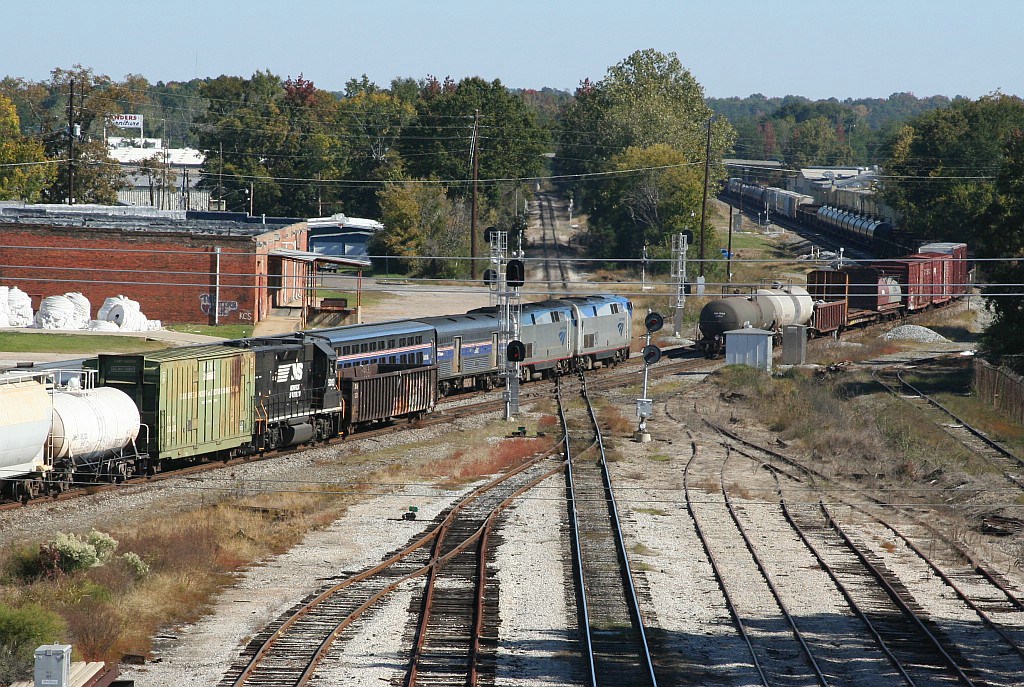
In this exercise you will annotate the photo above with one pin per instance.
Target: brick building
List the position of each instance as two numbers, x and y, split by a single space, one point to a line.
180 266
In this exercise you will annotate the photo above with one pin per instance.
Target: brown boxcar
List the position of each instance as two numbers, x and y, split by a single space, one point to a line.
942 274
373 392
914 275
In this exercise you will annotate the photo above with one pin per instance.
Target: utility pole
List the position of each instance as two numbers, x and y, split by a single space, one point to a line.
704 202
476 170
71 144
220 180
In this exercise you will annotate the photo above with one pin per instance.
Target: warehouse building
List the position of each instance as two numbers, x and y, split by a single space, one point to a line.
182 267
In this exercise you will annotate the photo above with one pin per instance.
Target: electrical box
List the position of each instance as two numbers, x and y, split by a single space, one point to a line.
53 665
794 344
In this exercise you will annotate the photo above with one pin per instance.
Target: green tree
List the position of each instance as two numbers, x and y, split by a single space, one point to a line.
437 143
374 121
421 220
1000 240
941 165
280 141
97 177
816 142
23 169
658 194
647 99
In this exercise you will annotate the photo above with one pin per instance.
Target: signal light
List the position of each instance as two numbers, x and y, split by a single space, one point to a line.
490 277
515 351
651 354
515 273
654 322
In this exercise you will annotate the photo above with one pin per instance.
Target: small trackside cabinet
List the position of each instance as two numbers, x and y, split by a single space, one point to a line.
53 665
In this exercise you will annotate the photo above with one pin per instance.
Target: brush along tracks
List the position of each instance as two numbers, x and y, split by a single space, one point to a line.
1009 465
451 555
945 622
616 648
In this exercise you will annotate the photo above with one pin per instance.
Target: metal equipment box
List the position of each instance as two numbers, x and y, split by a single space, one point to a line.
53 665
194 399
794 344
751 347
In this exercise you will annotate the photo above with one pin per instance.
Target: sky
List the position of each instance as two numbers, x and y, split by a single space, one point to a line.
821 49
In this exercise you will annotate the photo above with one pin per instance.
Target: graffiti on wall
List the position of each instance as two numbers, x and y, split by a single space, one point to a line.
224 308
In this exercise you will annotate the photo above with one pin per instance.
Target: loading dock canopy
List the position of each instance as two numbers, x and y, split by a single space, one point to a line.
306 256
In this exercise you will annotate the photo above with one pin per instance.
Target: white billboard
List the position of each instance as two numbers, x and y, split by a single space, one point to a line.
126 121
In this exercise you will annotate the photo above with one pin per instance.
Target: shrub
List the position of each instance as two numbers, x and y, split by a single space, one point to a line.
66 553
21 631
135 563
104 544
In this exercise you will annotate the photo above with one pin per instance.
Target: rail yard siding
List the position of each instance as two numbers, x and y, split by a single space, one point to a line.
172 275
1000 388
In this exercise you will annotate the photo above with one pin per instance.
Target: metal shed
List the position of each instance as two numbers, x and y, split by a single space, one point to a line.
751 347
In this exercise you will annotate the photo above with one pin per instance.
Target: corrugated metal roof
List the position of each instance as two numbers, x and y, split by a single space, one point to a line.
306 256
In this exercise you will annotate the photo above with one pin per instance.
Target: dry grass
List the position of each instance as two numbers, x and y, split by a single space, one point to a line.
193 555
465 464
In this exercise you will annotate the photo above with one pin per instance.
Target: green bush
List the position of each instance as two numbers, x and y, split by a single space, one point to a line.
21 631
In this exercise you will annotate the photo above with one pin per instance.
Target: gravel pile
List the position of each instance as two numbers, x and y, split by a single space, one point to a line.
913 332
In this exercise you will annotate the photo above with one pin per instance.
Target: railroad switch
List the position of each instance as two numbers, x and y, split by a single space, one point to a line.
411 513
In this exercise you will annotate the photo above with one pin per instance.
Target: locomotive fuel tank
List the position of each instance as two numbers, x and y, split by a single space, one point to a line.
90 423
24 426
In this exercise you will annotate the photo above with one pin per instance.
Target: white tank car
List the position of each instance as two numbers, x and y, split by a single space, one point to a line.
91 423
24 426
793 305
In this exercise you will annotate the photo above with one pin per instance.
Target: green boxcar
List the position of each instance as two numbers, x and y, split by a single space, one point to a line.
193 400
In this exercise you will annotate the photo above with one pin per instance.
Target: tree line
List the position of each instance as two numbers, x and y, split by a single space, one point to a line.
629 149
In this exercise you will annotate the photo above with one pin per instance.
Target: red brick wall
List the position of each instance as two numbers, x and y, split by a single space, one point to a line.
171 275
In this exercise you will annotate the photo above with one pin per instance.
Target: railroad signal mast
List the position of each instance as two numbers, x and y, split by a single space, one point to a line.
680 244
504 279
652 354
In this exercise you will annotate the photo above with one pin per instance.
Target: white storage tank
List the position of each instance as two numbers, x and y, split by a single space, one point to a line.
92 422
24 426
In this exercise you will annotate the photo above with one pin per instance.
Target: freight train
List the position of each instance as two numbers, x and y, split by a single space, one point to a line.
839 298
130 414
876 235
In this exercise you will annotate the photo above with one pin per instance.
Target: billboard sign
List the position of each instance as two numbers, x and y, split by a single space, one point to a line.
126 121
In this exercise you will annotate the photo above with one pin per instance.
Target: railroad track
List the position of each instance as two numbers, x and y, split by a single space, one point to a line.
974 440
871 505
451 555
616 648
926 648
779 652
556 274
